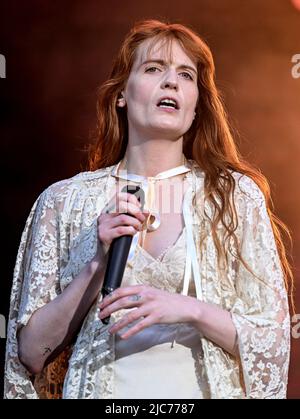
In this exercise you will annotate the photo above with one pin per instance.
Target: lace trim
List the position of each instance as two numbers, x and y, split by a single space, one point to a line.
163 254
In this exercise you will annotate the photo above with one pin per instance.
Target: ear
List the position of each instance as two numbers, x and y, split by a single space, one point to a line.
121 102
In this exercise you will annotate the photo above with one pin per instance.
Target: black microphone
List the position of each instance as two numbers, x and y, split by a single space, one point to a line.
118 253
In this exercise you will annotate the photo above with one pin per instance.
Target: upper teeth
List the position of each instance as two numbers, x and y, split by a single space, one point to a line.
170 101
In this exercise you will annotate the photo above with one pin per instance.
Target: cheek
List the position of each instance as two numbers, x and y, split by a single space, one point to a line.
193 97
194 94
138 93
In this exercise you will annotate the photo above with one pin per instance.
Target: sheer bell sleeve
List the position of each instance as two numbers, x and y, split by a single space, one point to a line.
260 312
35 283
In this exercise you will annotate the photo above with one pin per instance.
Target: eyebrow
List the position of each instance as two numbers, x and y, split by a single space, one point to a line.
162 62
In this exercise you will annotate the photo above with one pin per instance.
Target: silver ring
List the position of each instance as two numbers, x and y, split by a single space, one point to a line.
135 297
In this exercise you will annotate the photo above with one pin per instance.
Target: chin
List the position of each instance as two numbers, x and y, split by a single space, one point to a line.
167 126
168 135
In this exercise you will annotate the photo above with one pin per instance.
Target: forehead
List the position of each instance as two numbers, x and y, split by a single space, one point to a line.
168 50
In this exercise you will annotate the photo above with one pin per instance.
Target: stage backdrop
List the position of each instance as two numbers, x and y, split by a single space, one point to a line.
55 54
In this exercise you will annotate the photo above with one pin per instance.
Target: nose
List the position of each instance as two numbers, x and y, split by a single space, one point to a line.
170 80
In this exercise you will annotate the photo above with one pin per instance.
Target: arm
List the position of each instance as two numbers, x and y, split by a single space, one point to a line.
260 312
216 325
52 327
55 320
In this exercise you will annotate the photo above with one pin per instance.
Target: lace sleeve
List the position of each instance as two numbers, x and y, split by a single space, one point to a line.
41 264
35 283
260 313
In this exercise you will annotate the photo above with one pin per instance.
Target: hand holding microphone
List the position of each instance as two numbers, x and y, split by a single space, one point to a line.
116 229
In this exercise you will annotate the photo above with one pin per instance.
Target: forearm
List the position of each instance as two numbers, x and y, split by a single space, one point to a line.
216 325
52 327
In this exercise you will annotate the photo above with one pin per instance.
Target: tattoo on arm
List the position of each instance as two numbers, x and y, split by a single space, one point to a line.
47 350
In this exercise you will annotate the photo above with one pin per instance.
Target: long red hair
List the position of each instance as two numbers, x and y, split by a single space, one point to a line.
209 140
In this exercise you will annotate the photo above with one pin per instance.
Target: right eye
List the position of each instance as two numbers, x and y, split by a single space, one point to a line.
151 68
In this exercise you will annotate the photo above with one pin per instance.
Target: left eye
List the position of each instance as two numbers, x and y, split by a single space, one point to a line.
188 75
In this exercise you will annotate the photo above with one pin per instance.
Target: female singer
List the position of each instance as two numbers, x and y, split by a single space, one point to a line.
202 310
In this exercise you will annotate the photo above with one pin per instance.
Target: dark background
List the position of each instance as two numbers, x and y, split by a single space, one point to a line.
58 52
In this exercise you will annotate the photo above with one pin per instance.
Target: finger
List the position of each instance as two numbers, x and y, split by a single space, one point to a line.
122 292
123 231
127 207
124 219
113 203
126 197
138 327
124 207
132 198
128 318
125 302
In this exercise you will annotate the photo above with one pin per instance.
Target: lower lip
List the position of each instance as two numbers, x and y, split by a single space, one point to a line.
167 109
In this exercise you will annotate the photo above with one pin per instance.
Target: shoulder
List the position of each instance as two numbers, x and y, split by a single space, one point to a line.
249 199
82 183
246 187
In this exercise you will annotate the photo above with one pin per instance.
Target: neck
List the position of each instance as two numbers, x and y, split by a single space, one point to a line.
151 162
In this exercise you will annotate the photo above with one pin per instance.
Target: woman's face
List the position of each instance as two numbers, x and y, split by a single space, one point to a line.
153 80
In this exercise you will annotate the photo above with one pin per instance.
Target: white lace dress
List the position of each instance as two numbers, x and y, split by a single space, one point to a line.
163 360
60 238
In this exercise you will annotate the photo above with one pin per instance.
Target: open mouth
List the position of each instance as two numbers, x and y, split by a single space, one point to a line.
168 104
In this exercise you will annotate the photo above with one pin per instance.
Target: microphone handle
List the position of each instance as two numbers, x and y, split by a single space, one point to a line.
118 254
116 263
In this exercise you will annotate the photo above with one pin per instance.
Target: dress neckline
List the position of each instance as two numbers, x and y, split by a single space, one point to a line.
161 257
